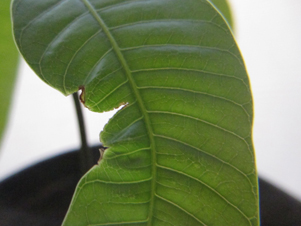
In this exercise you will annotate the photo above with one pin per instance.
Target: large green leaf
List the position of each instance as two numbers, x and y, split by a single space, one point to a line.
180 150
8 62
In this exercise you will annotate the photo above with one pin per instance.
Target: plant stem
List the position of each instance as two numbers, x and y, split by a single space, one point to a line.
86 158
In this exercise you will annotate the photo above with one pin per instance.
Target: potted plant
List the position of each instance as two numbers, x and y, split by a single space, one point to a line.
177 154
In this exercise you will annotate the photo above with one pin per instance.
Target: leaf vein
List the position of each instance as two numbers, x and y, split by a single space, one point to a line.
109 93
116 5
87 79
197 92
206 153
188 69
210 188
116 182
53 40
133 85
204 121
127 153
74 55
116 223
36 18
166 20
180 208
183 45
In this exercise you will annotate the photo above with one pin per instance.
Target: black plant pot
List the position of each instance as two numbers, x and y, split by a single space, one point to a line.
40 195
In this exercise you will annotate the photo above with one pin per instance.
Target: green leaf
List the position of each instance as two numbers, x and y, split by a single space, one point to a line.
225 10
180 150
8 62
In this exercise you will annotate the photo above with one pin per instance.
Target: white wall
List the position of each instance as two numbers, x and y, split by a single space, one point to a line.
269 35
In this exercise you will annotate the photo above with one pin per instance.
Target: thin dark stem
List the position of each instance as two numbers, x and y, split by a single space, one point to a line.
86 158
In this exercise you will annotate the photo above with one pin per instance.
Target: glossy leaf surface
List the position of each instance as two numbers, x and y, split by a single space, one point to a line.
180 150
8 62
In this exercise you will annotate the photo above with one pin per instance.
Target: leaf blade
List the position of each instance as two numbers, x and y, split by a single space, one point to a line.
165 156
8 63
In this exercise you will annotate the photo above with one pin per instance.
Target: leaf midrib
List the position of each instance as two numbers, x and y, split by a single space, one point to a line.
133 85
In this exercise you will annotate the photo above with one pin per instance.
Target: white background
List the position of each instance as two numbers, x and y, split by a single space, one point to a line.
43 122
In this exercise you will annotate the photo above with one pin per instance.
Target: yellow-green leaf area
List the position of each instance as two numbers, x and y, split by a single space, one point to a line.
8 62
180 149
